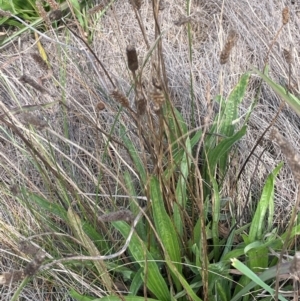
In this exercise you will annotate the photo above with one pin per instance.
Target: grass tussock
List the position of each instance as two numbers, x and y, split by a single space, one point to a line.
136 156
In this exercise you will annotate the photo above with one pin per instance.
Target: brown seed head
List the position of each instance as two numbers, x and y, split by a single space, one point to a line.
42 12
100 106
55 15
136 3
38 59
95 9
287 53
132 59
295 264
27 247
4 13
285 15
230 42
121 215
141 105
30 81
292 157
158 99
182 20
33 266
11 277
53 4
28 118
120 98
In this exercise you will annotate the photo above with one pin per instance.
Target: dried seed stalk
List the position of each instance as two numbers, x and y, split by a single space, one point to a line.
230 42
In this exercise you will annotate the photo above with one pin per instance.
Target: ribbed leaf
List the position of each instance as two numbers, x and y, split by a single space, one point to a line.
134 154
76 226
266 202
216 217
223 147
154 280
180 153
165 227
129 183
292 100
188 288
231 109
49 206
181 187
258 256
176 125
231 114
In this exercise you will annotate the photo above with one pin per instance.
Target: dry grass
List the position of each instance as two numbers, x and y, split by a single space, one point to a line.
77 80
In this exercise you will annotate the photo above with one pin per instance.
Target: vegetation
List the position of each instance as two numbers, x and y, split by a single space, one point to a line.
112 190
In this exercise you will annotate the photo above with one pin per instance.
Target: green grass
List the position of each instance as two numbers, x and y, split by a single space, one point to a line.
126 204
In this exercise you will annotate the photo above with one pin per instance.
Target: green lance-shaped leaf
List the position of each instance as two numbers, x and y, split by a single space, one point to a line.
165 228
154 280
289 98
